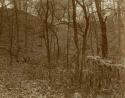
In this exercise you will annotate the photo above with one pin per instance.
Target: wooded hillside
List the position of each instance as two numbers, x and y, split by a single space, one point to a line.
68 46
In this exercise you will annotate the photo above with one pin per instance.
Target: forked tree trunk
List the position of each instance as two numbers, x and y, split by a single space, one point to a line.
102 21
87 18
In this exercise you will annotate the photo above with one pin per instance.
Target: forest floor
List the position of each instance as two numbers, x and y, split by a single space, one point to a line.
19 82
30 89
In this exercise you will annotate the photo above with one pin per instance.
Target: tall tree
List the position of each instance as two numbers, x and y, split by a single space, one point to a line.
84 35
102 21
68 34
2 2
17 28
26 13
75 31
47 31
76 41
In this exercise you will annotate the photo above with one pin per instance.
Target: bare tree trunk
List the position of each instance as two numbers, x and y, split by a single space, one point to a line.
68 34
103 29
58 47
11 45
94 28
26 7
17 30
1 17
47 31
10 38
119 24
91 42
55 31
84 36
97 39
75 34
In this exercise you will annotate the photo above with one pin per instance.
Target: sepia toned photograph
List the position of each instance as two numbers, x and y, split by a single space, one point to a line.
62 48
